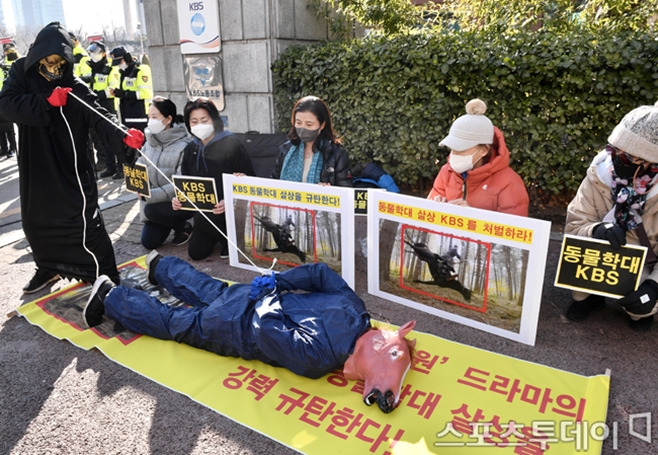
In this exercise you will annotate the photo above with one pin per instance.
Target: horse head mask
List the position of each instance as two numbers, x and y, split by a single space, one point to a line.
381 358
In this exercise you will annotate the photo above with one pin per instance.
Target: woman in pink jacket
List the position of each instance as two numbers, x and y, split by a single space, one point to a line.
477 173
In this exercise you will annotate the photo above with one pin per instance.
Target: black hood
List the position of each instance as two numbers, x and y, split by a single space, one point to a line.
52 39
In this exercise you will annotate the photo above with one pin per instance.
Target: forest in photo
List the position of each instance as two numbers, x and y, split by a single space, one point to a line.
478 280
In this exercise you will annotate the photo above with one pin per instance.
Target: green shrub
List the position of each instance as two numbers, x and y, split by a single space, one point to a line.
556 96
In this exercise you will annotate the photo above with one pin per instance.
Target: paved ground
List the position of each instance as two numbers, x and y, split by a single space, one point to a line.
58 399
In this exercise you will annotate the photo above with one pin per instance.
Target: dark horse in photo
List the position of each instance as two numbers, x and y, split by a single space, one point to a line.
442 271
284 241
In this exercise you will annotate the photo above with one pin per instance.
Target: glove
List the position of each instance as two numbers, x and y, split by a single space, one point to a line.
58 97
134 138
262 285
119 93
611 232
643 301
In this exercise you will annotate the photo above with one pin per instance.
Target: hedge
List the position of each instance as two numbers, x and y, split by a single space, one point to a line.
556 97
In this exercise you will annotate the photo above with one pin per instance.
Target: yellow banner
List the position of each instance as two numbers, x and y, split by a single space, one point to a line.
463 223
454 396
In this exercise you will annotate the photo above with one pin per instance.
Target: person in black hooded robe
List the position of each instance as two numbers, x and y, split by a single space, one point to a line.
59 197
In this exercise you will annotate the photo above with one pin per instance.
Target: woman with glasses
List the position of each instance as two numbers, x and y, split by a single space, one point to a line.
616 202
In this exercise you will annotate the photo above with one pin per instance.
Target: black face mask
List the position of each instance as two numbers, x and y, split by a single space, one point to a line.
11 56
626 171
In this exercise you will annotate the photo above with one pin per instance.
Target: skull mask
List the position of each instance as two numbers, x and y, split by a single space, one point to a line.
53 67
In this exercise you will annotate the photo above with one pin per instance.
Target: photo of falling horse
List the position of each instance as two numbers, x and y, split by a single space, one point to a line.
441 269
306 319
281 235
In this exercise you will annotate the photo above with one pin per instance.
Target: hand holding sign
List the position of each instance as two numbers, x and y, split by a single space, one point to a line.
611 232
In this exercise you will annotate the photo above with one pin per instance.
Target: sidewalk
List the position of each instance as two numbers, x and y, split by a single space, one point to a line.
56 398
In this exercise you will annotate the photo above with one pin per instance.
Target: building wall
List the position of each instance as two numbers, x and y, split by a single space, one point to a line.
253 34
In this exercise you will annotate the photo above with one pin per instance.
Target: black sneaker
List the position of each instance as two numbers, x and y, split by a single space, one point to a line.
223 253
40 280
151 261
107 173
182 237
95 308
580 310
642 324
118 175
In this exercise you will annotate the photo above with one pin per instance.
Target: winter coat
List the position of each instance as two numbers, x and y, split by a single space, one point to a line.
224 154
593 205
310 333
58 191
493 186
165 151
335 163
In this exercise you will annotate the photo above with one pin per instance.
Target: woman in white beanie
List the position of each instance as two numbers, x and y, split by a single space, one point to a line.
617 202
478 173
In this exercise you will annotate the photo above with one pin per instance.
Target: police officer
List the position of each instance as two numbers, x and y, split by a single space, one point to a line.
78 53
101 77
134 92
7 134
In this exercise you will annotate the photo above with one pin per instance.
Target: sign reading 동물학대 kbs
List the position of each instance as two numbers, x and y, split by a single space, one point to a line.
136 179
594 266
196 191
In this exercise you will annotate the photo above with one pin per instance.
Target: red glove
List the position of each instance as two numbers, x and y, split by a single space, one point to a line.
58 97
134 138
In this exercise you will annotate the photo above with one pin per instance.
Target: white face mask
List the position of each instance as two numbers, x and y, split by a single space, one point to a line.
203 130
96 57
461 163
123 66
156 126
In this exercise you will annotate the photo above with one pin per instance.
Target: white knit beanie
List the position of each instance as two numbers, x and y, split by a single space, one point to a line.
471 129
637 133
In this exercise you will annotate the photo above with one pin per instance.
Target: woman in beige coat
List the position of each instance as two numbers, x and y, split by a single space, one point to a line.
618 202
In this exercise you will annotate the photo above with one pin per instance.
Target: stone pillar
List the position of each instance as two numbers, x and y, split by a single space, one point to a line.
253 33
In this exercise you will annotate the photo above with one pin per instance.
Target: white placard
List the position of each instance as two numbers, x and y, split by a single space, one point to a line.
480 268
296 223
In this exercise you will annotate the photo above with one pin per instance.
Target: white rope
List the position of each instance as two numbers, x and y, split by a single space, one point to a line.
125 130
82 193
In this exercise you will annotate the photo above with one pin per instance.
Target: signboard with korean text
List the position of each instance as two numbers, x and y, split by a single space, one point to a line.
136 179
480 268
198 25
195 191
203 78
294 223
594 266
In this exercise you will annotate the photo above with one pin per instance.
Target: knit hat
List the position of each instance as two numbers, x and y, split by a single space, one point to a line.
637 133
471 129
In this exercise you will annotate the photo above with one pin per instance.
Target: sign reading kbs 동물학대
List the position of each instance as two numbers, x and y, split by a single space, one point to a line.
594 266
195 191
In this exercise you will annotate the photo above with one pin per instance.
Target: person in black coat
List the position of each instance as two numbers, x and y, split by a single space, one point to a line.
59 197
213 152
313 153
